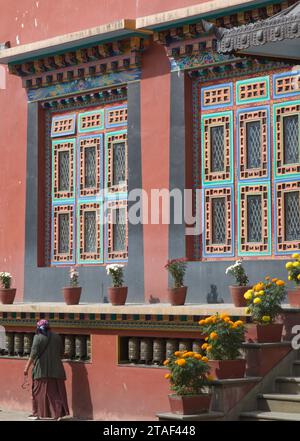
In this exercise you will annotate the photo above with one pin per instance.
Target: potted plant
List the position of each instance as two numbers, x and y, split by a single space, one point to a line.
177 269
224 339
117 294
264 304
238 290
189 381
72 293
294 276
7 294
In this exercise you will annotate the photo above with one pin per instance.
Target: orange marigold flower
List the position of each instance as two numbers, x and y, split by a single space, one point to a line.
202 322
259 286
223 315
209 347
226 319
210 377
198 356
231 322
239 323
213 335
206 338
274 280
167 376
280 283
166 362
177 354
267 277
181 362
204 346
205 359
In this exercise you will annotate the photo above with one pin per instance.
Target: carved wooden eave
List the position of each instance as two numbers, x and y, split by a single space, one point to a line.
101 51
191 42
274 37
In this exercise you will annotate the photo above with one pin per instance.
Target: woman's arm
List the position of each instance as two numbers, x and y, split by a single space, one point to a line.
28 365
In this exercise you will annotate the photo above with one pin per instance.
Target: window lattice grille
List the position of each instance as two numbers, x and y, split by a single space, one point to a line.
254 218
64 170
253 129
291 139
119 163
90 240
292 215
217 148
218 221
64 231
90 167
119 230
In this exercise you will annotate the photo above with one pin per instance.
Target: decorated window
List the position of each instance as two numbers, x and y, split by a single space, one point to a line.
89 167
247 146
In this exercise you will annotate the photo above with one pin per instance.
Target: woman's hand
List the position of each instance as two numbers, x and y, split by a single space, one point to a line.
26 371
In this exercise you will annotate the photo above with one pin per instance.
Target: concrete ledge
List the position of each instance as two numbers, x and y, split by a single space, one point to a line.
234 381
265 345
168 416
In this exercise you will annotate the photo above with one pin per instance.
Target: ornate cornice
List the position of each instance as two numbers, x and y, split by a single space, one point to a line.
284 25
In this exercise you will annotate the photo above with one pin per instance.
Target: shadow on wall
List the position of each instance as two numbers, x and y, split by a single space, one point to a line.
213 296
81 394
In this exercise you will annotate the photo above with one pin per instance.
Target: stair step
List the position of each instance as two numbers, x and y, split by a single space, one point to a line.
288 385
287 403
269 416
296 367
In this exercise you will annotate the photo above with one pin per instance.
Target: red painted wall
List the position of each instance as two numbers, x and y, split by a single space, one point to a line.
100 390
32 20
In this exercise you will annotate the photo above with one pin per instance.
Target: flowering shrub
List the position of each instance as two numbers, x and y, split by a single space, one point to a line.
177 269
237 270
74 277
5 280
264 300
188 373
224 337
294 269
116 273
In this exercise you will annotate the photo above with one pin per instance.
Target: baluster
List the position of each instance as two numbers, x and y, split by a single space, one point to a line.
133 350
10 338
70 346
80 347
88 348
146 350
171 347
19 344
159 350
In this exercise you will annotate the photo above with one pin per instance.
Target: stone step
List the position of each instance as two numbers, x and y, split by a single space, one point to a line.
287 385
259 415
288 403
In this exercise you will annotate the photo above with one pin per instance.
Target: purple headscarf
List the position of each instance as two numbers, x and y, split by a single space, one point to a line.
42 327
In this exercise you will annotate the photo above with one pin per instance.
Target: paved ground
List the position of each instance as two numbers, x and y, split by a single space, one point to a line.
6 415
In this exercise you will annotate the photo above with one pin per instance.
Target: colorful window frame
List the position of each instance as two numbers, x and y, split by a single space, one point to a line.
245 116
116 116
217 96
91 121
286 84
112 254
85 256
210 249
283 246
63 125
86 142
279 112
57 256
63 145
253 90
207 122
112 138
245 247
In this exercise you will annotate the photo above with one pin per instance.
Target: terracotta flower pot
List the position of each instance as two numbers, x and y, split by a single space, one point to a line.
177 296
237 294
294 296
118 296
7 295
271 333
72 294
222 369
189 404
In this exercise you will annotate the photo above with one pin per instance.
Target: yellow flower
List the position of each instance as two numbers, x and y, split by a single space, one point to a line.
257 301
280 282
207 321
248 295
177 353
266 318
231 322
289 265
267 277
209 348
166 362
259 286
223 315
181 362
259 293
210 377
296 256
274 280
247 310
213 335
291 278
202 322
188 354
296 264
227 319
198 356
298 277
206 339
239 323
167 376
204 346
205 359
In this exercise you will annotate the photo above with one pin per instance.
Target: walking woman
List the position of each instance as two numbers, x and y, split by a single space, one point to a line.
49 398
